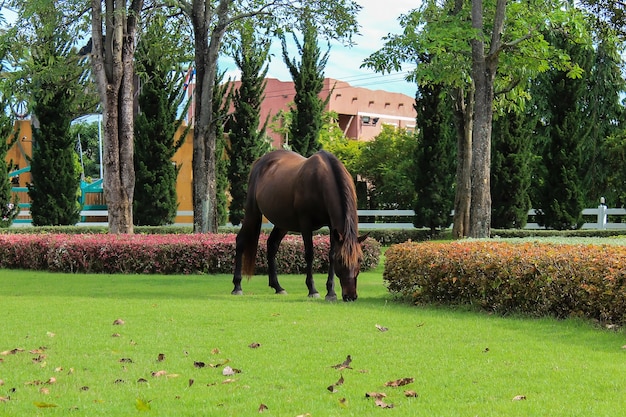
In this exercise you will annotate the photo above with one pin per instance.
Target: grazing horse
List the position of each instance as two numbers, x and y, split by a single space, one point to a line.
299 194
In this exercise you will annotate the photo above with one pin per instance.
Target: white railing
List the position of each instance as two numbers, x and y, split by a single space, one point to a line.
601 215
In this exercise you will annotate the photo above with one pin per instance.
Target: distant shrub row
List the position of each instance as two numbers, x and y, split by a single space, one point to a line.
532 278
157 253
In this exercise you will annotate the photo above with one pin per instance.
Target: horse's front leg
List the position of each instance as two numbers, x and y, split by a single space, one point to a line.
273 243
307 237
239 244
330 282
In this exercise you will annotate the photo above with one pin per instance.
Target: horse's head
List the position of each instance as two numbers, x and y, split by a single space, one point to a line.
347 264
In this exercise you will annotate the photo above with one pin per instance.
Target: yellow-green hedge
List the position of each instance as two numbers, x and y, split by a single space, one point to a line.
540 279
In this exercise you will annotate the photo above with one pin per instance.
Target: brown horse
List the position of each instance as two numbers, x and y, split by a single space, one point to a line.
297 194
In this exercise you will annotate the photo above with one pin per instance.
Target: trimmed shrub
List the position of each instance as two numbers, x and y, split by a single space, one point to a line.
539 279
158 253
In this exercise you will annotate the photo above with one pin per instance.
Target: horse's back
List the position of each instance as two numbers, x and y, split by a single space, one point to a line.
286 188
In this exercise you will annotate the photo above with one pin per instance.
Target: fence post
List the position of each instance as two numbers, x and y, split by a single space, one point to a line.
602 214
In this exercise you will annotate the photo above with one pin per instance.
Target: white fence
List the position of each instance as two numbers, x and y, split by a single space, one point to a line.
601 215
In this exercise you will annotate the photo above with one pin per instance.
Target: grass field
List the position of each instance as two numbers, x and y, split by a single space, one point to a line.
76 361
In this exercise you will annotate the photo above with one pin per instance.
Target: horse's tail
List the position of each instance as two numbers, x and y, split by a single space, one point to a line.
251 227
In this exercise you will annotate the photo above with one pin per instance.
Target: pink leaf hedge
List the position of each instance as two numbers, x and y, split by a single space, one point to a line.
157 253
532 278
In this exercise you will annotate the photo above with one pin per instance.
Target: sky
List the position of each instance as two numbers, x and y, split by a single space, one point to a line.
377 18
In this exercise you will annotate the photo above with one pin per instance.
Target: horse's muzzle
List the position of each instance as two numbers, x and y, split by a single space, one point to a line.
347 297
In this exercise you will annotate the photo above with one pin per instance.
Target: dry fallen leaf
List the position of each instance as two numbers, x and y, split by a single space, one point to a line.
345 364
332 388
399 382
4 399
228 381
380 403
119 322
161 357
519 398
159 373
217 365
343 402
116 335
11 352
191 381
125 360
262 408
254 345
44 405
199 364
142 380
381 328
45 391
1 382
215 351
228 371
52 380
410 394
375 395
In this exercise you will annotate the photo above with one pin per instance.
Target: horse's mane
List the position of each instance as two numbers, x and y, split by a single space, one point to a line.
351 249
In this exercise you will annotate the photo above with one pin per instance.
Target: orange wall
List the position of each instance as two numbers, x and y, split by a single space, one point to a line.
22 148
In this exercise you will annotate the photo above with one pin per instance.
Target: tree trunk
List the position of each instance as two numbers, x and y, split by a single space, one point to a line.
205 217
463 115
483 74
114 72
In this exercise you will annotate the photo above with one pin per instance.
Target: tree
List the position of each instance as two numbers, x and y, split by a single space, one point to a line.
465 53
113 49
159 54
247 139
308 79
565 128
386 163
434 158
55 75
211 19
512 141
9 208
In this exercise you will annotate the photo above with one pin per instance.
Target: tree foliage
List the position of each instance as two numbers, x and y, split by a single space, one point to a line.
247 137
308 79
511 169
434 158
161 94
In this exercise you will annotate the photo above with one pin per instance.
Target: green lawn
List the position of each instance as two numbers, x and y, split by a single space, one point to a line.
463 363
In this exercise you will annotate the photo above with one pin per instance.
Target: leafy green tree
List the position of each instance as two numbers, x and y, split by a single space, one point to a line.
55 72
386 163
211 21
478 50
247 138
155 199
434 158
511 171
87 133
564 128
308 79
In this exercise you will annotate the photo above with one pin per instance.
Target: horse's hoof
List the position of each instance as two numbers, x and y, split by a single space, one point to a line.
281 292
237 292
314 295
331 298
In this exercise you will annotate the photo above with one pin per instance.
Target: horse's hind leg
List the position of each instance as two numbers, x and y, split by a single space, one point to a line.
273 243
330 282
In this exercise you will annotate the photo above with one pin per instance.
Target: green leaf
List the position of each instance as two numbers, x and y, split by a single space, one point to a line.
44 405
142 405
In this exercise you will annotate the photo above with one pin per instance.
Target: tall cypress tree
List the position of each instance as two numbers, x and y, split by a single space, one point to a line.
247 140
155 201
563 125
308 79
511 162
221 105
606 117
54 166
435 158
8 206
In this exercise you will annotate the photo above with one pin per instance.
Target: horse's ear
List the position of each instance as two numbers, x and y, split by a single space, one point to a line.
361 239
